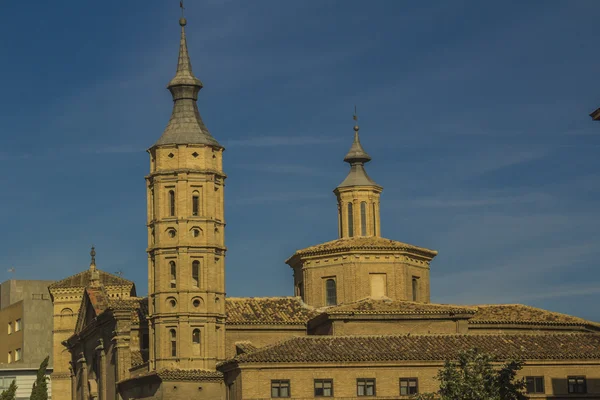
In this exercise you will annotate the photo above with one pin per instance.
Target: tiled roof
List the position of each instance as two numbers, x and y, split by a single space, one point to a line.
245 347
314 349
139 358
389 306
519 313
267 311
198 375
98 299
82 279
365 243
137 305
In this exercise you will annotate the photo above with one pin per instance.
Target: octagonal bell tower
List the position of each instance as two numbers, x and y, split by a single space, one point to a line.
186 243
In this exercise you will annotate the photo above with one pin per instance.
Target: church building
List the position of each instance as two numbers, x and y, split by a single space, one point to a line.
360 323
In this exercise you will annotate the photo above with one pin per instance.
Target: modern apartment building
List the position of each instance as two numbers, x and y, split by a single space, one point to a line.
25 333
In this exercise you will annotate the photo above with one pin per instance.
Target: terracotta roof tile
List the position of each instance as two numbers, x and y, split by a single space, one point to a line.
198 375
364 243
139 358
82 279
389 306
519 313
309 349
245 347
137 305
267 311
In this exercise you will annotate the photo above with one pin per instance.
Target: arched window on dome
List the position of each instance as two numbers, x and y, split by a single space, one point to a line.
173 339
350 220
363 219
330 292
196 342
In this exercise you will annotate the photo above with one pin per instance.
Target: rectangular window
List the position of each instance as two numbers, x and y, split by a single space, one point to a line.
365 387
280 388
577 384
10 328
535 384
363 218
323 387
374 221
415 288
350 221
195 205
5 382
409 386
18 354
18 325
9 359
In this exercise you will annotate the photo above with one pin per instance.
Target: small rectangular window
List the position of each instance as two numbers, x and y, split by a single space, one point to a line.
280 388
18 354
535 384
18 325
577 384
195 205
409 386
323 387
365 387
10 328
9 360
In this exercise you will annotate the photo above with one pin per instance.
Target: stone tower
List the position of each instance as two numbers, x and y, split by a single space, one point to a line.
186 245
358 196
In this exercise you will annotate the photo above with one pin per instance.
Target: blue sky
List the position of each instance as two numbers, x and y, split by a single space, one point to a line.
475 115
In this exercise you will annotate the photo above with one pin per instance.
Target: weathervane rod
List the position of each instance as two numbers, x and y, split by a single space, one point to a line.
182 8
355 116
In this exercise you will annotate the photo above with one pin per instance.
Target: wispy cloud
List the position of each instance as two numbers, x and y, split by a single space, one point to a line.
117 149
553 292
275 141
472 201
290 169
277 198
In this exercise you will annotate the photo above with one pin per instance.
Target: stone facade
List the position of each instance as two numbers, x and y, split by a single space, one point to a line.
361 319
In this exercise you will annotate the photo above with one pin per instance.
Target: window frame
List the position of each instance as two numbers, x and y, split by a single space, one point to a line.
277 384
363 218
323 381
10 328
408 381
196 273
583 384
365 382
350 216
18 354
330 300
171 203
173 274
173 342
415 288
195 204
18 324
536 390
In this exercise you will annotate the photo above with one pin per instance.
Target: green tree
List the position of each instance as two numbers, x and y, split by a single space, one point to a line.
474 377
10 393
40 386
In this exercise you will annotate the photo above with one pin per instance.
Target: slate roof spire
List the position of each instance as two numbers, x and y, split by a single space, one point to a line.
186 125
357 157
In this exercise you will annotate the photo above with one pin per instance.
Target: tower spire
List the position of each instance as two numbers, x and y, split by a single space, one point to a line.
94 274
357 157
186 125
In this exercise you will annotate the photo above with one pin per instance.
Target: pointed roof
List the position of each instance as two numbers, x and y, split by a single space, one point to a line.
186 125
82 280
357 157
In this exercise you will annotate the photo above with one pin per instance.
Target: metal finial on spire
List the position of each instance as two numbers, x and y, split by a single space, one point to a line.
355 118
182 20
93 255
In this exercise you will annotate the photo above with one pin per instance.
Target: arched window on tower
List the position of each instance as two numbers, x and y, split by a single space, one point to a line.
350 220
171 203
196 273
196 342
195 203
173 269
173 339
374 221
363 219
330 292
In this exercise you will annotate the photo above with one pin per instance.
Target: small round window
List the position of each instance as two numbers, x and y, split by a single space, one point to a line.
196 303
172 233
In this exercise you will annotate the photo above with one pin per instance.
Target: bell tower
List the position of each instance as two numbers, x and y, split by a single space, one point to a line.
186 243
358 196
